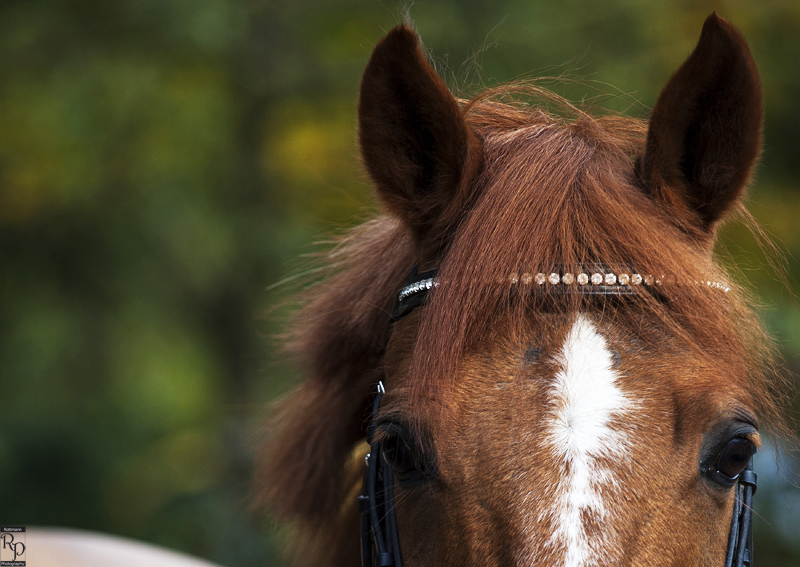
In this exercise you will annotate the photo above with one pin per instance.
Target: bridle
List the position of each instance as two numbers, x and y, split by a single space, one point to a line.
380 541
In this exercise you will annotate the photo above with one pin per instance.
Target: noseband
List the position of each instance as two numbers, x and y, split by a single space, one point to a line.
380 541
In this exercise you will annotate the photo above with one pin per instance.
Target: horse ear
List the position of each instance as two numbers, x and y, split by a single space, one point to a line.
415 142
705 130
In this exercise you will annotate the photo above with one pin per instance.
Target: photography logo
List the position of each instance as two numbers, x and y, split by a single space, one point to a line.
12 546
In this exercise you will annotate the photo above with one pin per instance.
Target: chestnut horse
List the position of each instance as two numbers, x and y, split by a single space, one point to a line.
580 382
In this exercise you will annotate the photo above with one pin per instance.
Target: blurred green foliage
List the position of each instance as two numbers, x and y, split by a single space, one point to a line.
161 161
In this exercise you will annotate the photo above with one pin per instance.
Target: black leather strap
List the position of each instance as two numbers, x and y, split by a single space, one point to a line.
740 537
380 541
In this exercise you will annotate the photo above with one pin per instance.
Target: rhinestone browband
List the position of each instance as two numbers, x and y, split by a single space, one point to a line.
591 280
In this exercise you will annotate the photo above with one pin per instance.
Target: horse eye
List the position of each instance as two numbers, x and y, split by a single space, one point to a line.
734 457
398 455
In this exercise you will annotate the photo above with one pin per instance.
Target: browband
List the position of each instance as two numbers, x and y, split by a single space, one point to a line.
414 293
588 279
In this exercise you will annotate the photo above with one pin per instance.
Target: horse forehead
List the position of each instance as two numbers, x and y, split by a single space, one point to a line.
568 371
547 442
583 387
594 359
572 375
585 395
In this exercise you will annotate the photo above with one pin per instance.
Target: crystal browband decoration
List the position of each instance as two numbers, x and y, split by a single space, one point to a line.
416 287
606 279
589 281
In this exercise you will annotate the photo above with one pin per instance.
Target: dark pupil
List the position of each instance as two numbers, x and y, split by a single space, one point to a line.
398 454
734 457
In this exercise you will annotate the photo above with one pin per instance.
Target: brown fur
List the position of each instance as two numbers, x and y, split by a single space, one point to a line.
499 187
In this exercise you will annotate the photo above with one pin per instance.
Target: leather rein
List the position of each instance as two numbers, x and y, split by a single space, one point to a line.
380 541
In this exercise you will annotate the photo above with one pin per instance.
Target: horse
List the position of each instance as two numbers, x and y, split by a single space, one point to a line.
547 362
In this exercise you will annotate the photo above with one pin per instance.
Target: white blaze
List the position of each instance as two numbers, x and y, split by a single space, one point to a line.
585 398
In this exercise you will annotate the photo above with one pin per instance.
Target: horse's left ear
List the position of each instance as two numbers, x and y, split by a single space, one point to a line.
415 140
705 131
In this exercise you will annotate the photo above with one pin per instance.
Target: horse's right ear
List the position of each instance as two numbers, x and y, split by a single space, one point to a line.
414 139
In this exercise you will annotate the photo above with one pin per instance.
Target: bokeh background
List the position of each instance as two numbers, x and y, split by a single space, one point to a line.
163 161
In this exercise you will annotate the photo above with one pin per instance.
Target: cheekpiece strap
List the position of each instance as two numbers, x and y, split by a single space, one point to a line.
380 542
740 537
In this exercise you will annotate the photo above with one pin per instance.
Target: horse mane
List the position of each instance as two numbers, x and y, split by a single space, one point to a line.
306 469
559 186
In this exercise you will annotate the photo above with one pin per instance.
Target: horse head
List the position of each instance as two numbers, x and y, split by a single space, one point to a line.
570 377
